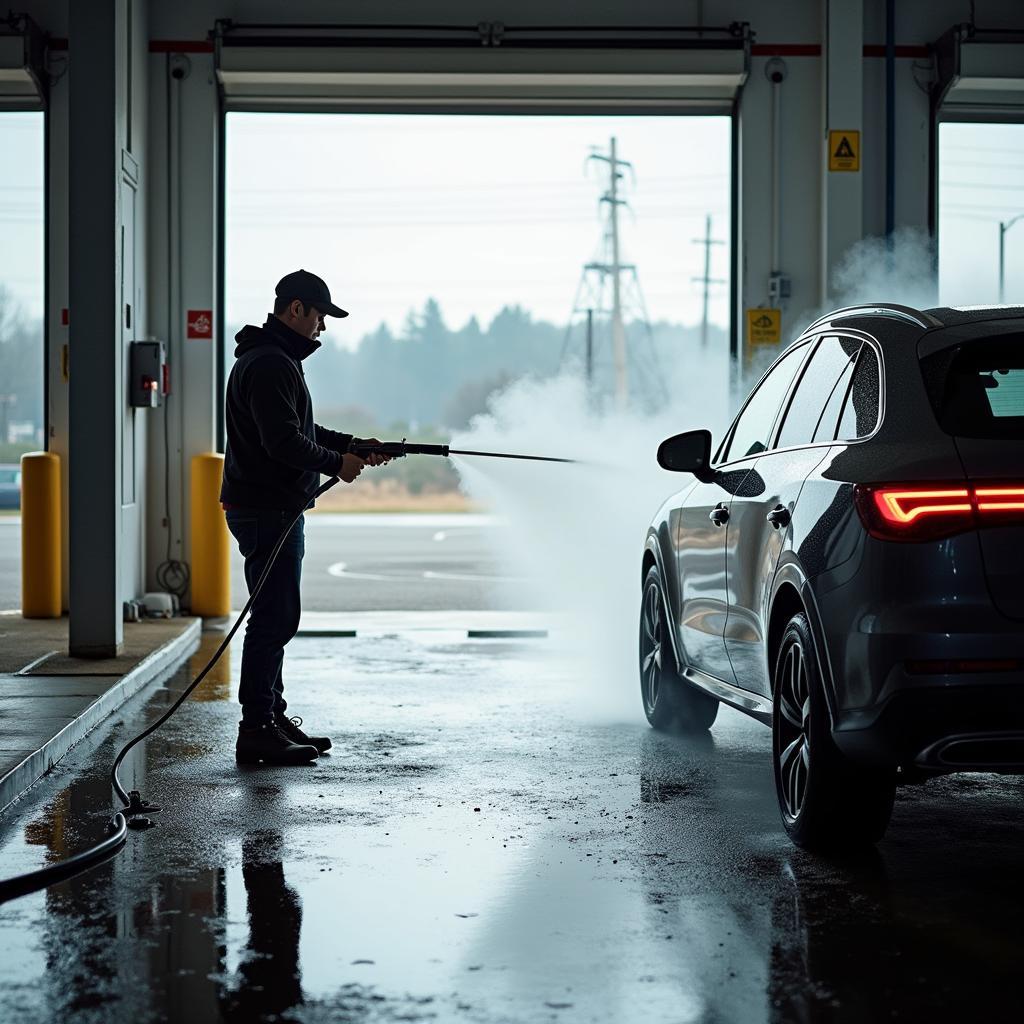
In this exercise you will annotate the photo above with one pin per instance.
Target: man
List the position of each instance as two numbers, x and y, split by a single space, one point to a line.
272 463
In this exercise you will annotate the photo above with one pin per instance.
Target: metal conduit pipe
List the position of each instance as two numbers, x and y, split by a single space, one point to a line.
776 228
775 71
890 122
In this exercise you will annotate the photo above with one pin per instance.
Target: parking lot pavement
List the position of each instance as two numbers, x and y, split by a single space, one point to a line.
481 847
10 562
370 563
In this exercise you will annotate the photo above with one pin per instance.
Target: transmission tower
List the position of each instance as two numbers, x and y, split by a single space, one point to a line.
706 280
609 289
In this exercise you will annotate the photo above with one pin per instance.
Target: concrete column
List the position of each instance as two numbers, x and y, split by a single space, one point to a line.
842 216
57 301
96 74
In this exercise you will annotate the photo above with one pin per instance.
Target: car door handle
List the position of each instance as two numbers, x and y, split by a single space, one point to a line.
779 517
719 515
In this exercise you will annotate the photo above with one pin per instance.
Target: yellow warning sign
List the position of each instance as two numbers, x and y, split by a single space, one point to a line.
844 151
764 326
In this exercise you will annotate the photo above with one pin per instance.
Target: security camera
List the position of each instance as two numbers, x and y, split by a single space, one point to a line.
775 70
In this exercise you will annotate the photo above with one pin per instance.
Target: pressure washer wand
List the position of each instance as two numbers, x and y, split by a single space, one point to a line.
399 449
505 455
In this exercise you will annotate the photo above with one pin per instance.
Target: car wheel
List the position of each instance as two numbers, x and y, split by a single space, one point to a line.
669 702
826 801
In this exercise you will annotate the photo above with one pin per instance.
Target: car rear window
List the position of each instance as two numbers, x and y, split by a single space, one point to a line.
859 416
977 389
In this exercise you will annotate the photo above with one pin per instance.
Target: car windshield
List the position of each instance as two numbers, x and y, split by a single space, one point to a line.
8 476
977 389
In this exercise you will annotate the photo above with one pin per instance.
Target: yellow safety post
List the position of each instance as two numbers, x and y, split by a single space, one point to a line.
40 536
211 567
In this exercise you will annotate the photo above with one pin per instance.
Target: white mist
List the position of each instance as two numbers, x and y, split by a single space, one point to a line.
579 529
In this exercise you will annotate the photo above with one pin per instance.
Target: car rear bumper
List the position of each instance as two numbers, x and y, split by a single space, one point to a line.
942 723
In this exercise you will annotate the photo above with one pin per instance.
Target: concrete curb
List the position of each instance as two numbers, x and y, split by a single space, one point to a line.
156 667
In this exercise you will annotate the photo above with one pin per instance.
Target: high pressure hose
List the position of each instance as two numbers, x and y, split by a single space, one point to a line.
134 813
134 806
135 810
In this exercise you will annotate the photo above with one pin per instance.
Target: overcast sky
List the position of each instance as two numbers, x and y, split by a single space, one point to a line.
21 209
981 183
479 211
475 211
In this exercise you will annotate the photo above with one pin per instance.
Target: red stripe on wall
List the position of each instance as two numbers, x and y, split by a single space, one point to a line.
814 50
180 46
786 49
873 50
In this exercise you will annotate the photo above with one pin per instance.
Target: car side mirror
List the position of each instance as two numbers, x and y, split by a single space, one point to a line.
688 453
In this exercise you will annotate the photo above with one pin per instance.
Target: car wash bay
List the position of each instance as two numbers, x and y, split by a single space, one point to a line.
484 842
473 851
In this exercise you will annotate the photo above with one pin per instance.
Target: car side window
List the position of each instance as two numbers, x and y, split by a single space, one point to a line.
818 382
753 428
860 411
829 422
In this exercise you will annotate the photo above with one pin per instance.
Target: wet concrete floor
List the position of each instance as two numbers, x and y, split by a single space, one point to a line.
479 849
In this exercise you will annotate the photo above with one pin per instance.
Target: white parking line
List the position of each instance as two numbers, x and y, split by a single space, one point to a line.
338 569
466 578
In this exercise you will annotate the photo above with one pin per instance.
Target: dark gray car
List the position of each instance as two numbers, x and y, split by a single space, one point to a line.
847 567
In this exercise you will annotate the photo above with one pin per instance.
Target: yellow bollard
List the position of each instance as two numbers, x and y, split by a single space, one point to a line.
40 536
211 567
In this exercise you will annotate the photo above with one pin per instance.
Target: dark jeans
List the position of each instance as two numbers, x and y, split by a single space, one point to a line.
274 617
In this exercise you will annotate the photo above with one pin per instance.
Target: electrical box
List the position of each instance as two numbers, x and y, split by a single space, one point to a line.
779 288
149 378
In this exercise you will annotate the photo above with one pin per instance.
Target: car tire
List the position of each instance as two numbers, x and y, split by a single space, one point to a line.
827 802
670 703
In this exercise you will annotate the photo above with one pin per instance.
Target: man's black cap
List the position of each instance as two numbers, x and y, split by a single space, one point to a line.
310 289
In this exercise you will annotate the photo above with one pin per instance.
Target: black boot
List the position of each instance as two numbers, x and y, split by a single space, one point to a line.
290 727
269 745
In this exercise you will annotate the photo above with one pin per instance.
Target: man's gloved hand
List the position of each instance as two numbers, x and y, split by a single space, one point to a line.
374 458
351 467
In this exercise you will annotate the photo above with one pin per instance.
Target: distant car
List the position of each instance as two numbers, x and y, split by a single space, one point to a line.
10 486
848 567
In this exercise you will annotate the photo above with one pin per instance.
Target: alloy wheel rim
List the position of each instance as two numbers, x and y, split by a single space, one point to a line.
650 655
793 753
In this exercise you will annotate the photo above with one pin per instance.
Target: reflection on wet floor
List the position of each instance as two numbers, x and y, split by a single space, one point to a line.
477 849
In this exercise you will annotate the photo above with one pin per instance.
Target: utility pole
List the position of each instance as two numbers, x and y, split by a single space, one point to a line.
613 306
5 430
706 280
590 347
615 267
1004 226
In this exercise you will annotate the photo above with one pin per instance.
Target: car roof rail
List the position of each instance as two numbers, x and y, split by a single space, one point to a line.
907 313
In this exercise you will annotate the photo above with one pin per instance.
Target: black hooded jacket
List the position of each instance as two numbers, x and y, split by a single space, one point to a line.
275 452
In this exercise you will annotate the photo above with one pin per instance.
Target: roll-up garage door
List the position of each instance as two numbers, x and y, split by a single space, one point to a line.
22 71
980 75
487 67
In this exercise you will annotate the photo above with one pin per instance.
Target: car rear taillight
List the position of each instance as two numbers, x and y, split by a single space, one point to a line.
916 512
1000 500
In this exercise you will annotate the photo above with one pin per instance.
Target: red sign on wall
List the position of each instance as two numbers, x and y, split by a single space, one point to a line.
200 323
